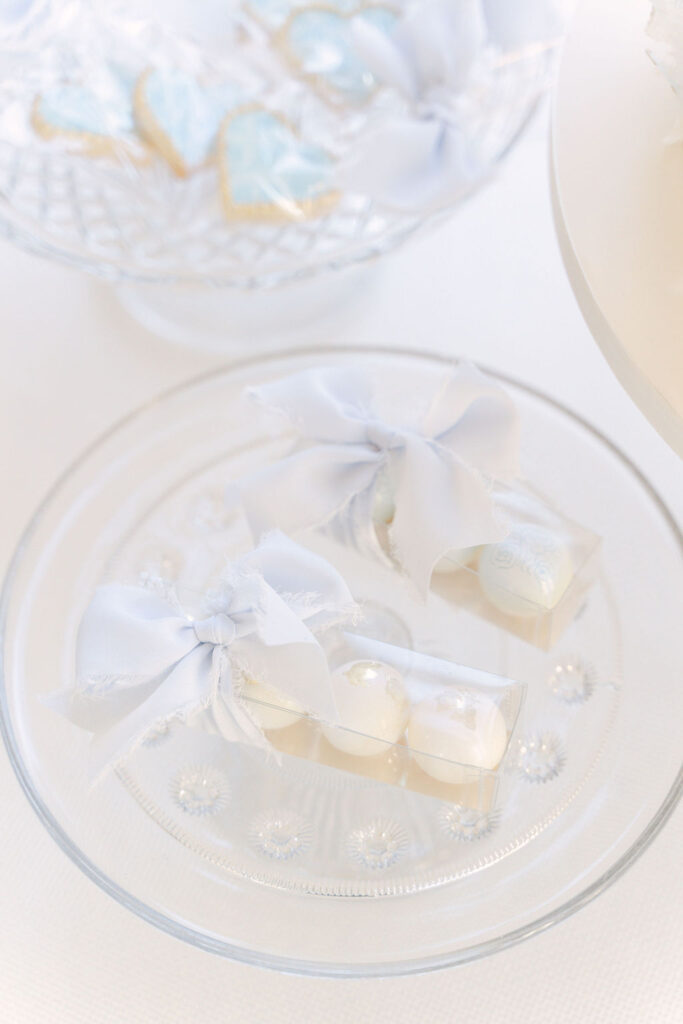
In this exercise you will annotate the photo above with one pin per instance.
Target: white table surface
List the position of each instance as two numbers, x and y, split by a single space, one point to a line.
489 284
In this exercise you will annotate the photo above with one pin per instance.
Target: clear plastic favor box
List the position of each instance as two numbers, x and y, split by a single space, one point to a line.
534 582
479 700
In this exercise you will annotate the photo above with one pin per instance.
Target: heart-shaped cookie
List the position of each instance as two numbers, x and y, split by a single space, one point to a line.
268 172
180 117
98 121
318 43
272 14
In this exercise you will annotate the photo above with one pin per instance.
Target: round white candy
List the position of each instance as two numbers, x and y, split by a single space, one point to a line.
456 558
371 699
277 715
462 729
526 573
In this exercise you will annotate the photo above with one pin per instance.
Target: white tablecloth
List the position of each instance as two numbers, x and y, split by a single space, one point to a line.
490 285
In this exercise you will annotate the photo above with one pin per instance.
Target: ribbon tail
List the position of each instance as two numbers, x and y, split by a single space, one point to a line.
307 489
477 421
382 56
328 404
441 505
298 669
444 41
130 634
186 689
231 716
94 710
128 641
307 585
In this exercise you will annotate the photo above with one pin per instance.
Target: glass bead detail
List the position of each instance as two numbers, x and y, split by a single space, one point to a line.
465 823
200 790
378 845
572 680
541 757
159 563
157 735
208 513
280 835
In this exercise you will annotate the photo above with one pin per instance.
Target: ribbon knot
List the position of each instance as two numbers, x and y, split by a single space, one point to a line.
219 630
383 436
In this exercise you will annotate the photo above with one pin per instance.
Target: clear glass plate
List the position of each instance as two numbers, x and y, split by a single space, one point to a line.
299 866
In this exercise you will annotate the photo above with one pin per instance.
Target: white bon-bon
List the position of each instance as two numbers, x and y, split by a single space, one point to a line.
453 733
269 707
526 573
371 700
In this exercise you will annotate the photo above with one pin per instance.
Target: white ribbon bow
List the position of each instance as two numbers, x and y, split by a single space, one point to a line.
141 661
442 463
420 159
440 59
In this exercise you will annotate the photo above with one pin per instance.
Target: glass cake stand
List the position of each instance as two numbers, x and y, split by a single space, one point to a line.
298 866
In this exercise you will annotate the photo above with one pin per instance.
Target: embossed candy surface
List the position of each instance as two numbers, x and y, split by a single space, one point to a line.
528 572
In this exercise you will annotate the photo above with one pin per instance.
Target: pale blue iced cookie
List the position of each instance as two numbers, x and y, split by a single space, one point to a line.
318 44
181 118
268 172
102 125
272 14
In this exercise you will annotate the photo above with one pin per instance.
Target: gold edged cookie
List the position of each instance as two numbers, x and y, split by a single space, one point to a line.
180 117
268 173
